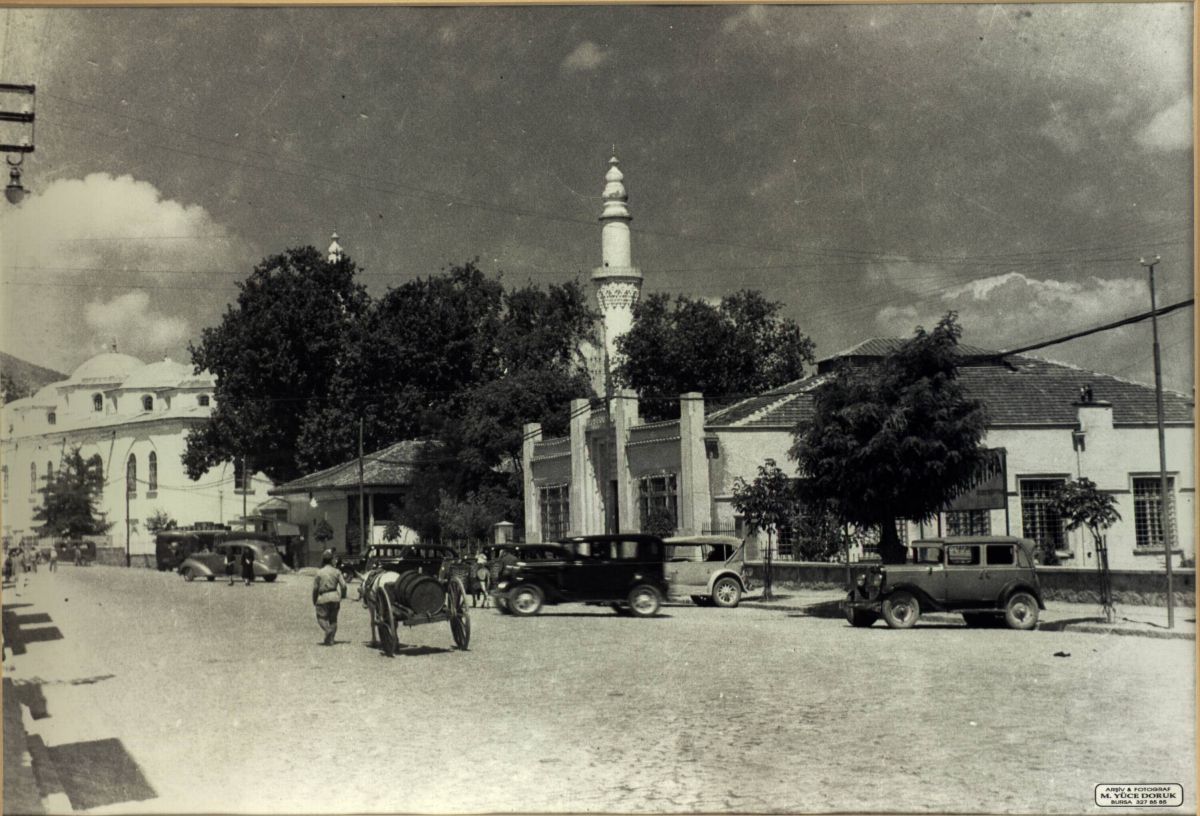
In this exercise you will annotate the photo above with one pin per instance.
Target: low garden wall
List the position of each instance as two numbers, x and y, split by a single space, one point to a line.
1130 587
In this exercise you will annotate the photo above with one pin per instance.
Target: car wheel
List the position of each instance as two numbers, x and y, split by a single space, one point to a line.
726 593
1021 612
525 600
901 610
644 601
858 617
187 574
269 578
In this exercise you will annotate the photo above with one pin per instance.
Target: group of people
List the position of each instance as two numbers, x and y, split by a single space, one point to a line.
247 560
28 561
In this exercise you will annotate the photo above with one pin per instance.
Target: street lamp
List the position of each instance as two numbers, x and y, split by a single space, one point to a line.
1162 444
14 192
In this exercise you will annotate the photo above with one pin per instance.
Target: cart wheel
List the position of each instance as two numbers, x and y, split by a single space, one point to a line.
387 627
460 619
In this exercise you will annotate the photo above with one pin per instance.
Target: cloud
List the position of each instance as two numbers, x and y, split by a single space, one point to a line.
1170 129
587 56
155 331
754 17
1011 309
89 260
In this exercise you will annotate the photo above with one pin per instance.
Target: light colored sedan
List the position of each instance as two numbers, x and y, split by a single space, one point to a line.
210 564
710 569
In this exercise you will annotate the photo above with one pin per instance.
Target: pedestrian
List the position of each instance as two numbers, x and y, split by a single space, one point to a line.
329 587
230 565
248 565
8 566
54 559
78 555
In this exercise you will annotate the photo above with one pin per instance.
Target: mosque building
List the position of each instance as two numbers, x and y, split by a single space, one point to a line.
134 418
1048 422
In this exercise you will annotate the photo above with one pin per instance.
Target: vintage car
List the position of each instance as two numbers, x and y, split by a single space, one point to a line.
986 579
624 571
426 558
171 547
210 564
709 569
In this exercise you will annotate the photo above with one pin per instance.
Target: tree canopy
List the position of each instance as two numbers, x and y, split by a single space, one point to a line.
306 354
737 348
69 499
894 440
274 355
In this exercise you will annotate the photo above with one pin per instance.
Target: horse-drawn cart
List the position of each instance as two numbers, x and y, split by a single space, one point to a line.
410 598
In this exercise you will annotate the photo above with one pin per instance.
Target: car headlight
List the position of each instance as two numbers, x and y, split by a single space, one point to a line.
502 585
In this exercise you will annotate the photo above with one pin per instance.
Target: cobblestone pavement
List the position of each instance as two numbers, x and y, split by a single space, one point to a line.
225 701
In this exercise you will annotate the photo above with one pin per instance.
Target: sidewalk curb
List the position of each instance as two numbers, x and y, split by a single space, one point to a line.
1045 626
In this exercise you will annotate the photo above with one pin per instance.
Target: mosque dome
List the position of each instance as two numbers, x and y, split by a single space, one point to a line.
47 396
166 373
109 367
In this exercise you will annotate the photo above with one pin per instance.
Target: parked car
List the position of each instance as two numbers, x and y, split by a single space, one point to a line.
987 579
209 564
709 569
425 558
624 571
171 547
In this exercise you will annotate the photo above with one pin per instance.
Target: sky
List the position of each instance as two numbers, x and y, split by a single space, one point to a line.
870 167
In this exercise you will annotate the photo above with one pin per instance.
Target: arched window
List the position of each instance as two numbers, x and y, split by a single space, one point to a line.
32 478
152 475
97 402
49 473
98 464
131 474
51 418
202 400
147 403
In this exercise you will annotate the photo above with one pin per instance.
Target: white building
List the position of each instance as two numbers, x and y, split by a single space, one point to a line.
1047 423
135 417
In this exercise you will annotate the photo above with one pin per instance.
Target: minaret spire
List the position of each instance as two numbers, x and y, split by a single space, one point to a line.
336 253
618 282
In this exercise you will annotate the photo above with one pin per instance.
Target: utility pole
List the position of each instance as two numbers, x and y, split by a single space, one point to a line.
362 518
128 489
245 486
1163 495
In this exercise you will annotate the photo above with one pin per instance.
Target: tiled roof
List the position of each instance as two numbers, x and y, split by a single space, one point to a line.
1020 390
390 467
881 346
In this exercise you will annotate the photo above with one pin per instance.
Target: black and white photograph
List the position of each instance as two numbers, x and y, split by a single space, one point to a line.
598 409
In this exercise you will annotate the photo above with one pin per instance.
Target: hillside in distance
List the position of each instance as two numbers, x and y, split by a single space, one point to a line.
19 378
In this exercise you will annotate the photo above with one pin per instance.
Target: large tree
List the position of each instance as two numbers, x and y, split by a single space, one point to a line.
737 348
69 499
894 440
274 355
530 371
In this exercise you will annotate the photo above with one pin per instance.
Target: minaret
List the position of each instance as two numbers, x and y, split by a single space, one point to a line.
336 253
618 282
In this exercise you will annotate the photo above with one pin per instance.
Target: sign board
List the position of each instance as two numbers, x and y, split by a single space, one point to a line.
988 490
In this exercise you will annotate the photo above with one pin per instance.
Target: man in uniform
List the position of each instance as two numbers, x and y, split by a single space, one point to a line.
329 587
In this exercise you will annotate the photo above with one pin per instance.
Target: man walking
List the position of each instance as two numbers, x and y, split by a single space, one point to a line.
329 587
53 558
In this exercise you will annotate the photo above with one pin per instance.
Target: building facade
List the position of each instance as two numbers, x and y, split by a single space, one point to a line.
1047 423
134 417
